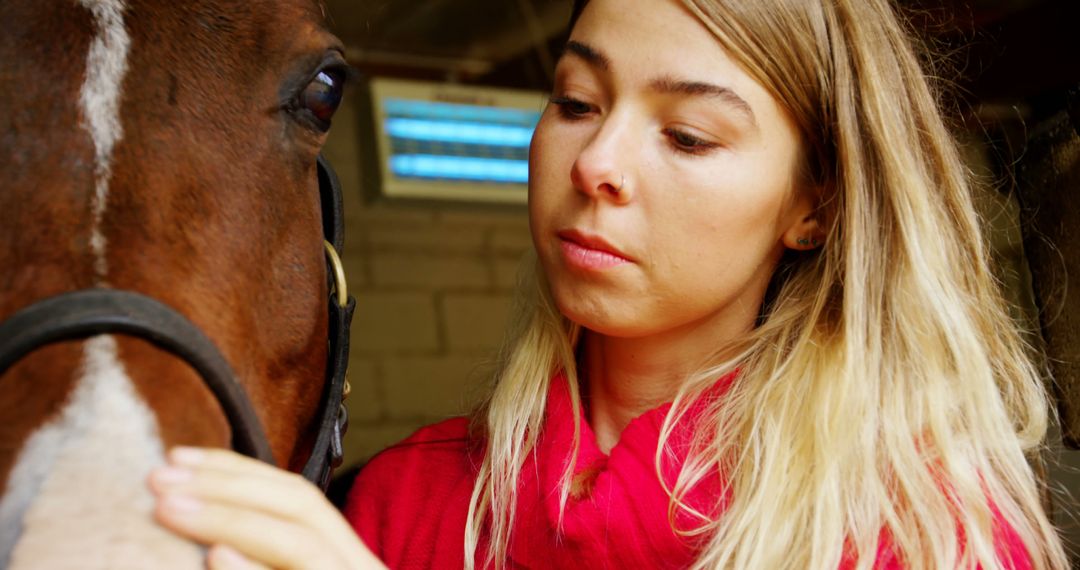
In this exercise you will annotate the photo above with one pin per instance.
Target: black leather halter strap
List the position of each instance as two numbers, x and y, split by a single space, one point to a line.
91 312
326 453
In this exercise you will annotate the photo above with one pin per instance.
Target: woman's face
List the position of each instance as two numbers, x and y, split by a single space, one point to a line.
662 189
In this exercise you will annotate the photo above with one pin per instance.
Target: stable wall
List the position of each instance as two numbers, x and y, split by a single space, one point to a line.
433 287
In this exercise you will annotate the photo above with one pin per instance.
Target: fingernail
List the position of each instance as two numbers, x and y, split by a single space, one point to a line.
186 455
182 504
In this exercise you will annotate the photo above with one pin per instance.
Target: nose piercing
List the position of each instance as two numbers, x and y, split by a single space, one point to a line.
622 181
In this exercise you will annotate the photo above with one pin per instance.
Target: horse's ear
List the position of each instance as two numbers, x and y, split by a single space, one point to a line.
333 210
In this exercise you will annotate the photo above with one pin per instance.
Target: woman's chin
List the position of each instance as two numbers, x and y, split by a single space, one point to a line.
608 319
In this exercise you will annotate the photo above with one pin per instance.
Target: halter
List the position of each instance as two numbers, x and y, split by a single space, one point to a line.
90 312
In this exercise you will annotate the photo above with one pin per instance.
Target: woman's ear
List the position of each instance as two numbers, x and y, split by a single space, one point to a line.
805 233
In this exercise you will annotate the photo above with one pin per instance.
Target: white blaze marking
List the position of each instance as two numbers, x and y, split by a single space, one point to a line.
77 497
106 65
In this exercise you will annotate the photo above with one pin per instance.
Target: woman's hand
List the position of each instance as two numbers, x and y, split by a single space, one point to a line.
253 515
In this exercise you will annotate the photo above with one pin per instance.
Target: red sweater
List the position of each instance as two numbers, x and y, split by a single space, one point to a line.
409 504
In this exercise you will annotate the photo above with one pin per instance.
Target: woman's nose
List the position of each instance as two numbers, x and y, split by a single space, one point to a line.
601 171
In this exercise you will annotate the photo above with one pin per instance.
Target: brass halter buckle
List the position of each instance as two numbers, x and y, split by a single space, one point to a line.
341 287
341 291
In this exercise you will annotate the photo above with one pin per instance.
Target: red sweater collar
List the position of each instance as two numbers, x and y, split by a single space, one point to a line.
621 521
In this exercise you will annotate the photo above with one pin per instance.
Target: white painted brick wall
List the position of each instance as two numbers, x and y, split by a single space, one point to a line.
433 285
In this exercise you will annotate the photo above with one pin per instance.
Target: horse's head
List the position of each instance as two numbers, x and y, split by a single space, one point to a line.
166 148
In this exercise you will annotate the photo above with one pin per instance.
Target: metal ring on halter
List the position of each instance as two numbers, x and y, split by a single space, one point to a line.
340 285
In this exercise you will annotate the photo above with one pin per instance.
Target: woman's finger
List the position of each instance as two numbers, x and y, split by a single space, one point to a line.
224 557
223 460
287 497
258 536
271 503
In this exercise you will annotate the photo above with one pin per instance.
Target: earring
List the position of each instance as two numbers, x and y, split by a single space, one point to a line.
802 241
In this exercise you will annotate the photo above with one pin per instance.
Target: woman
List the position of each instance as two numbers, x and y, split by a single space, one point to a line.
761 333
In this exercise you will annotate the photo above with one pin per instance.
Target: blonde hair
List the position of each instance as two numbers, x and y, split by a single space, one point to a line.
886 393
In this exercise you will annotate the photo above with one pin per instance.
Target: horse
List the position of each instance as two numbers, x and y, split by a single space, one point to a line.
169 236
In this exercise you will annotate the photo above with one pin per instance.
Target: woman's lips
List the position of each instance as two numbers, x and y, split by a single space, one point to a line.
588 251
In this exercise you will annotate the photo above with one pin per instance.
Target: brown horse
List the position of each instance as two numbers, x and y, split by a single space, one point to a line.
165 148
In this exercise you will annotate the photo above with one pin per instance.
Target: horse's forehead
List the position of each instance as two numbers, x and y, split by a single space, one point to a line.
215 33
103 92
231 15
207 75
207 37
229 18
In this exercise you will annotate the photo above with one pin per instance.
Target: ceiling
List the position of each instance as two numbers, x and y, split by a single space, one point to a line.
453 40
1010 48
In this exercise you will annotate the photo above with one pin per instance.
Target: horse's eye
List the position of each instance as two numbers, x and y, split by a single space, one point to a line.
323 95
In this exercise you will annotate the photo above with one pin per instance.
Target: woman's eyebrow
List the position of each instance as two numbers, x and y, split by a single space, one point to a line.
667 84
670 85
588 53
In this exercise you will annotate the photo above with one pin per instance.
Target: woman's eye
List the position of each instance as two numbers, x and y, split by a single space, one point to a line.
686 142
571 108
323 95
